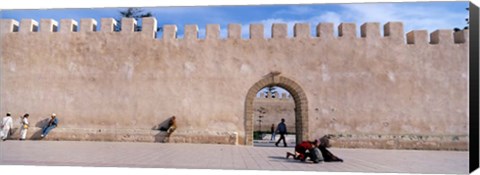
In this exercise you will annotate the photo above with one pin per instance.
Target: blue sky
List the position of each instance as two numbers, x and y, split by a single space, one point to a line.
415 15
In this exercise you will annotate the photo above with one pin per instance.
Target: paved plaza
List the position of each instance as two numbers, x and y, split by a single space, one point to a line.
209 156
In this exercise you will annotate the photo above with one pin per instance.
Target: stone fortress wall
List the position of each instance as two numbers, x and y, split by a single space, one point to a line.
396 90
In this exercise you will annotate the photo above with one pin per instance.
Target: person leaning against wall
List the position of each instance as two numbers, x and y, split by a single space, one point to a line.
172 125
51 124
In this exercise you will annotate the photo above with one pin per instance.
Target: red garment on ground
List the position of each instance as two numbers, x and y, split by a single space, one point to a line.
302 147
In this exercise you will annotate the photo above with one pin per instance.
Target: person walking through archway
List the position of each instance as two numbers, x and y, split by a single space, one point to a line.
282 130
272 130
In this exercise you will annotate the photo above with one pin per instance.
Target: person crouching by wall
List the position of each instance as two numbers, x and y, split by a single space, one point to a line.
6 126
172 125
307 149
24 127
51 124
327 155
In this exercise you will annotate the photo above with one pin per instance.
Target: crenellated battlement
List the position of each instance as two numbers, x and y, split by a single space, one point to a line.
325 31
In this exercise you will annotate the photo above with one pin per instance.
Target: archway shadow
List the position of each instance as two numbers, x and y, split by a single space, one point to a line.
162 127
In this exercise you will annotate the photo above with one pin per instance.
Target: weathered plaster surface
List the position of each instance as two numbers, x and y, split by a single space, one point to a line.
273 107
119 81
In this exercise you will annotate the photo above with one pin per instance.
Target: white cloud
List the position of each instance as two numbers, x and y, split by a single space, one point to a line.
179 11
295 10
328 16
413 17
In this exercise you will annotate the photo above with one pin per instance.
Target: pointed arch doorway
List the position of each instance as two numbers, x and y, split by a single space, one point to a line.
299 96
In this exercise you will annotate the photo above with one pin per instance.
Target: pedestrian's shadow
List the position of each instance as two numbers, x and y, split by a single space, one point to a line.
40 124
283 159
260 145
14 131
162 127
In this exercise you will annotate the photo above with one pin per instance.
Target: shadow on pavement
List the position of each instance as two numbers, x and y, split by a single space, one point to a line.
40 124
277 157
283 159
272 145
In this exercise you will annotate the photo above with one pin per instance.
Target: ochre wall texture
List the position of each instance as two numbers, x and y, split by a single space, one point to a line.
396 90
272 108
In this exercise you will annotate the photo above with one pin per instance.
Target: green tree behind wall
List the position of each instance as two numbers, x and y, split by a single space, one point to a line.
456 29
136 13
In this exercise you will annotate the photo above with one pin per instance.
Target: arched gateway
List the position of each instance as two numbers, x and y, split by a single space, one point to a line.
299 96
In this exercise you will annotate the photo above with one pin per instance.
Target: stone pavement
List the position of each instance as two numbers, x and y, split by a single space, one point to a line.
207 156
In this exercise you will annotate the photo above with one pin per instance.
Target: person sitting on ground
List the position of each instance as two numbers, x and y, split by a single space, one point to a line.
51 124
6 126
327 155
306 149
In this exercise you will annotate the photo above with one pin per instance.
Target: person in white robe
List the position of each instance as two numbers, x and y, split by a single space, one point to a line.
24 127
7 125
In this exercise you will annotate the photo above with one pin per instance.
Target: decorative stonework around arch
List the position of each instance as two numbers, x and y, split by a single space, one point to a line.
299 96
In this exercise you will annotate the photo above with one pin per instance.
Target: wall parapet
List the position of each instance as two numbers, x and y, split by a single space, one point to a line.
370 30
68 25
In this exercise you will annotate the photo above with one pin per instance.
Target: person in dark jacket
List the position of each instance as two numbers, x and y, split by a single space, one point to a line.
327 155
172 125
282 130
